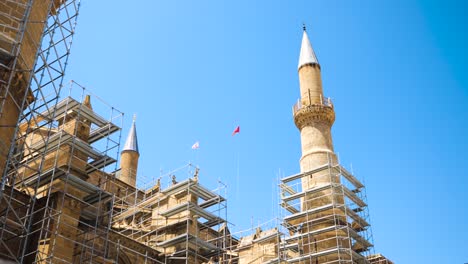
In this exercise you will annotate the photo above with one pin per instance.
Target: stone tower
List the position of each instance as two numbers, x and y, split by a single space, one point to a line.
129 157
314 116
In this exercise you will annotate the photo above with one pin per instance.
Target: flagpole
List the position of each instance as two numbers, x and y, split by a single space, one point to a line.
196 158
237 179
195 147
236 131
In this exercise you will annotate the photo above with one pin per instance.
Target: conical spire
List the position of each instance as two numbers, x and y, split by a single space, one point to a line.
307 53
132 141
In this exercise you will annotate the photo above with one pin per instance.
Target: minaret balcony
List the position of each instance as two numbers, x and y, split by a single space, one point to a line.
327 102
308 114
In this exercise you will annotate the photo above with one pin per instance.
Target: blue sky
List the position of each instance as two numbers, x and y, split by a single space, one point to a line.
194 70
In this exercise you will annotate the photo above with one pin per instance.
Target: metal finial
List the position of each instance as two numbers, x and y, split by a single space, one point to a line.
134 117
304 26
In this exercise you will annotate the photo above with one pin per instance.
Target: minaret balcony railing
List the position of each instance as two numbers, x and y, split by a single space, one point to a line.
308 113
327 102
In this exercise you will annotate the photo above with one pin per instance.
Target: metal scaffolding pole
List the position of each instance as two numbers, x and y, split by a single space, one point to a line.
35 41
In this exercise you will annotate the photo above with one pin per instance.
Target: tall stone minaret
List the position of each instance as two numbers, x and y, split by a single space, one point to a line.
129 157
314 116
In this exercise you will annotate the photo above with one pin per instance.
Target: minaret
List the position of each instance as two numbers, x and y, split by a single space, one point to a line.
314 116
129 157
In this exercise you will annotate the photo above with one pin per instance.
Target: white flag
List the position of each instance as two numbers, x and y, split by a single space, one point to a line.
196 145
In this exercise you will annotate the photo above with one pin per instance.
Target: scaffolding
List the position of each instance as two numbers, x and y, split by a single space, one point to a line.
62 199
57 159
326 223
55 194
379 259
31 76
262 243
183 220
59 202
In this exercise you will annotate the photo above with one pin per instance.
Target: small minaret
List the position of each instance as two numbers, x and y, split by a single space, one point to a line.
129 157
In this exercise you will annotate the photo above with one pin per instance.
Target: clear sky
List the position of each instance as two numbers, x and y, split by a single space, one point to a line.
396 71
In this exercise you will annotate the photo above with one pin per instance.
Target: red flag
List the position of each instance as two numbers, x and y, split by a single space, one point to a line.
237 130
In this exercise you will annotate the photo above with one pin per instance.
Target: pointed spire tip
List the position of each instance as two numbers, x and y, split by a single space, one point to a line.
131 143
307 55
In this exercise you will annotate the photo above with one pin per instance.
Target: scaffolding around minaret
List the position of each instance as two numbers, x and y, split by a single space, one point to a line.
349 238
327 221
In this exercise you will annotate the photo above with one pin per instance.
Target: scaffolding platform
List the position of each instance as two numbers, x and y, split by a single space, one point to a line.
318 254
189 206
337 204
304 174
336 169
311 211
95 193
209 199
286 200
190 238
61 138
70 107
194 188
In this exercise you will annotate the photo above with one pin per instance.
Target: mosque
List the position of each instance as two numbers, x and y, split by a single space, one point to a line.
69 193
